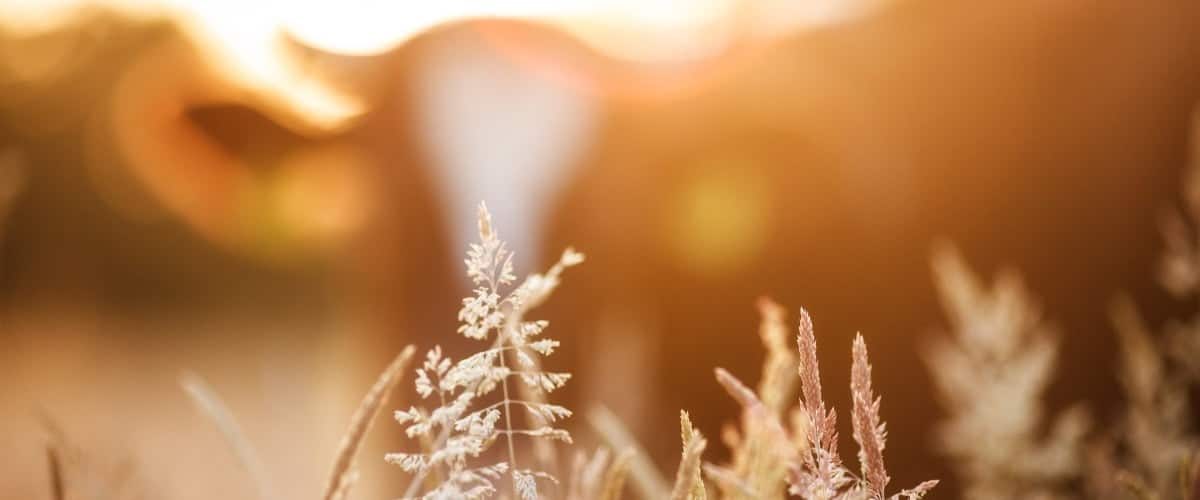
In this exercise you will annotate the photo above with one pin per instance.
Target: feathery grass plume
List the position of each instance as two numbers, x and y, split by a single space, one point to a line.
778 381
763 457
758 412
647 480
1155 424
1179 268
991 374
1179 273
462 427
688 433
614 479
756 446
1157 431
687 477
342 477
212 406
869 432
539 286
820 475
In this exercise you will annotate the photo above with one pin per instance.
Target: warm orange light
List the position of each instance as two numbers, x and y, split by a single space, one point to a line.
643 30
633 29
716 222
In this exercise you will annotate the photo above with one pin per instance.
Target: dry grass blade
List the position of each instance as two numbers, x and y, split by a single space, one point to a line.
759 412
211 405
1142 372
779 379
614 480
575 483
685 477
587 475
341 478
727 478
919 491
54 457
345 483
647 480
73 475
56 475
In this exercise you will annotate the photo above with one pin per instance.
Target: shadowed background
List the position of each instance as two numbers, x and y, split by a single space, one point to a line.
280 208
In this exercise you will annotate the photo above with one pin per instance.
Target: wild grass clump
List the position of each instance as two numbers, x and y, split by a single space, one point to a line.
803 458
473 401
1154 449
483 426
993 368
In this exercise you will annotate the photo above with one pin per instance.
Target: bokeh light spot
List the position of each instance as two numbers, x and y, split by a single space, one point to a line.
718 220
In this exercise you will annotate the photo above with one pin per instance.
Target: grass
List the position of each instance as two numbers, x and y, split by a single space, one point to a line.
484 426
